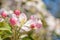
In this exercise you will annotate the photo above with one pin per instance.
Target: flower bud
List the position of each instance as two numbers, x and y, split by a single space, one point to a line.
13 21
4 14
17 12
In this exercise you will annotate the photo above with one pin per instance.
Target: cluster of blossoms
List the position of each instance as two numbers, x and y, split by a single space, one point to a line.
18 19
15 18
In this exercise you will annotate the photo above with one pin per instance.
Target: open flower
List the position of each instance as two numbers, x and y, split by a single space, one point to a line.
23 17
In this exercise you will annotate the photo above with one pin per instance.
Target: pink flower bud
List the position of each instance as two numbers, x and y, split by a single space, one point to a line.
32 17
38 25
17 12
32 26
13 21
4 14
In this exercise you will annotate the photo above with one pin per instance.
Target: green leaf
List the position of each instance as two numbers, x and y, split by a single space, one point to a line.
26 38
0 38
4 24
5 30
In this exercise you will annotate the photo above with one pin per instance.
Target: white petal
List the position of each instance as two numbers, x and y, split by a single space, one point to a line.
22 16
1 19
24 36
26 28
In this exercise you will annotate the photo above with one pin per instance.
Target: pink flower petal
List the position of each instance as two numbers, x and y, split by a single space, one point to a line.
13 21
17 12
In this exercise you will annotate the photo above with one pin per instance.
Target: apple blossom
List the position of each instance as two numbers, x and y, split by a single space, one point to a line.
17 12
38 25
32 25
22 17
32 18
4 14
13 21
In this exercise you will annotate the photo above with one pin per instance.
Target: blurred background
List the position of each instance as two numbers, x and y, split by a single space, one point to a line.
48 8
